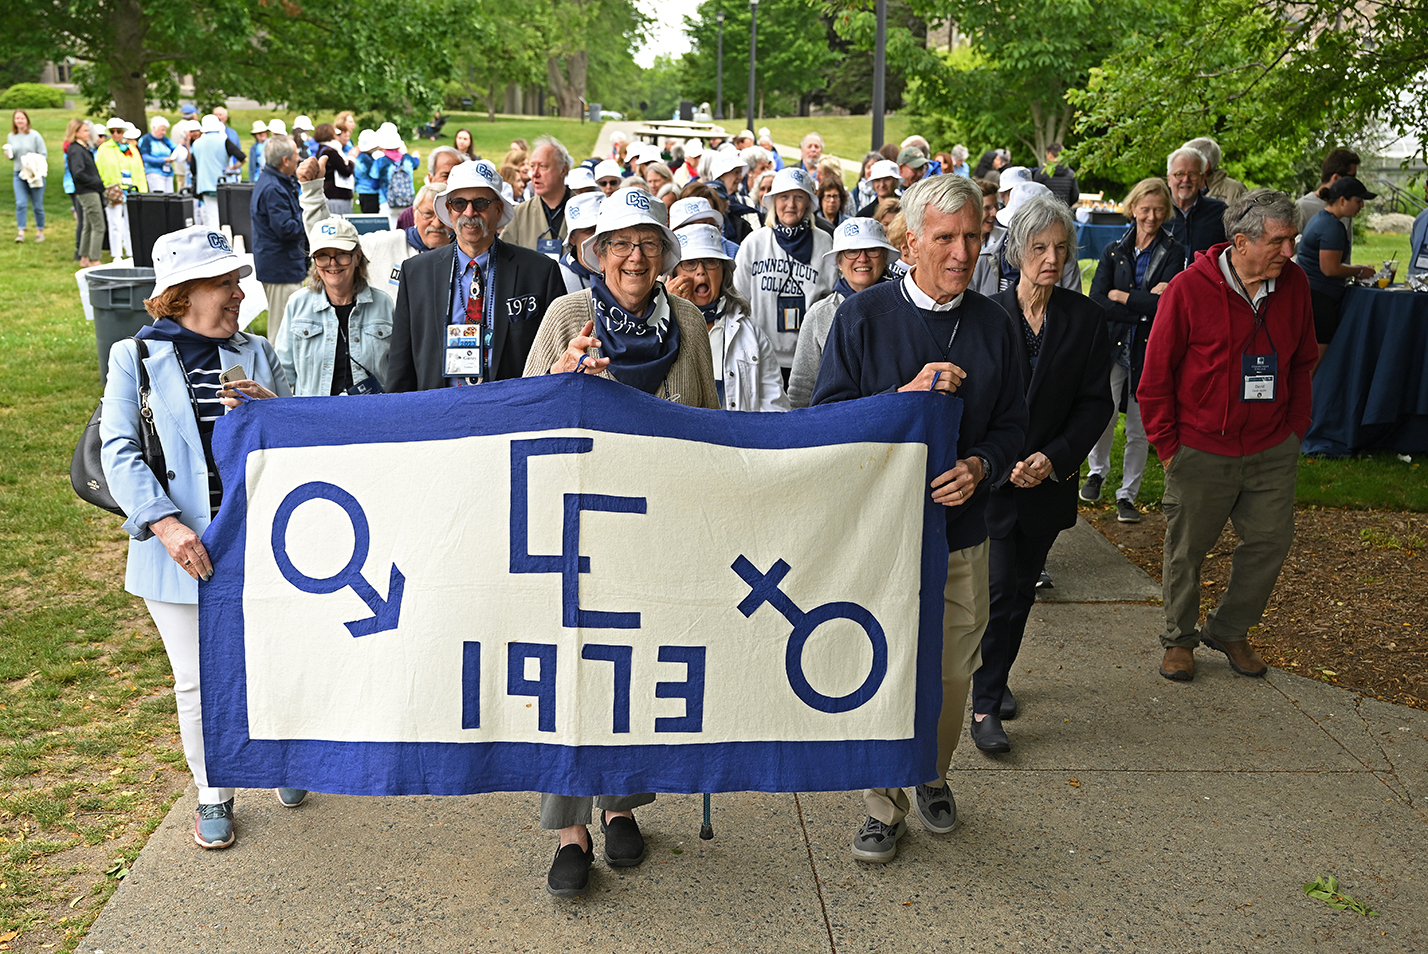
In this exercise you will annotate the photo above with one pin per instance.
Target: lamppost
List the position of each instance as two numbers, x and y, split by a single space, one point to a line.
880 68
719 81
753 52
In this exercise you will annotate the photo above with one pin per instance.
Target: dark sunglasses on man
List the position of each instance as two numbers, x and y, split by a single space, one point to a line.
479 205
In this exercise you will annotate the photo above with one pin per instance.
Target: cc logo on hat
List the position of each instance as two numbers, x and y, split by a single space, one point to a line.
850 229
638 200
797 176
329 229
217 240
683 238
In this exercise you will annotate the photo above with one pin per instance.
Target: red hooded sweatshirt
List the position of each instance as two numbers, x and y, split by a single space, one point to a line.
1193 380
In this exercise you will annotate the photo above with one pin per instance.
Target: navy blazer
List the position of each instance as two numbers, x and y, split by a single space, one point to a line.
526 283
1203 227
1068 403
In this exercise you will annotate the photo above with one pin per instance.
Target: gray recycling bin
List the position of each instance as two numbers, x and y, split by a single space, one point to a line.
117 297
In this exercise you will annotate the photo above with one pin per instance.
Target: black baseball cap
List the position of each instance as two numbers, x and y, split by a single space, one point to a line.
1349 186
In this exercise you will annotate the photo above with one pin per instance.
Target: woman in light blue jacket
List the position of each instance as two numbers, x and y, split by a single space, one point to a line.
194 338
336 332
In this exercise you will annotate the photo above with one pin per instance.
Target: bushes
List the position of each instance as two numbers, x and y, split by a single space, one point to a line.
31 96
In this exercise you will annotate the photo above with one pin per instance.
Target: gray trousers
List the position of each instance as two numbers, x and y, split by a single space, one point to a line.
562 811
1202 491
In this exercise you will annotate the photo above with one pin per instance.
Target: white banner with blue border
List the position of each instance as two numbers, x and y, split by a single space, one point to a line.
562 584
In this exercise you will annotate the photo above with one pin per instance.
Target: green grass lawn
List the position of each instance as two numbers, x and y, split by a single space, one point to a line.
846 136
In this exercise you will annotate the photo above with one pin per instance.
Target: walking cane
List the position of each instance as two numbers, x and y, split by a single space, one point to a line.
707 832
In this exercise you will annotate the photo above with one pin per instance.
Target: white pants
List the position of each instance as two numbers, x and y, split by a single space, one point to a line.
120 244
178 627
207 211
1137 446
158 182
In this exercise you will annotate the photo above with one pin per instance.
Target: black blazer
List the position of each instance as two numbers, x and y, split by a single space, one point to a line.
1069 403
1117 271
526 283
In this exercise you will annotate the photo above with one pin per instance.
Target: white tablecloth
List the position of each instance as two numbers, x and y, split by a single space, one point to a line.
254 302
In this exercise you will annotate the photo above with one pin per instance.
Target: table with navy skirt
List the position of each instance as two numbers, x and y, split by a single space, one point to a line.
1371 392
1092 239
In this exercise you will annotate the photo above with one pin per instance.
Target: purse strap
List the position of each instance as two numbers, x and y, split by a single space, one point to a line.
150 447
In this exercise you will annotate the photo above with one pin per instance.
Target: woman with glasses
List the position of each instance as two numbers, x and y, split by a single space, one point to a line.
862 252
628 328
337 331
746 373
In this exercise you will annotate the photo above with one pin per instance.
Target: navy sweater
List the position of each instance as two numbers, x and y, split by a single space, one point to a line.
880 341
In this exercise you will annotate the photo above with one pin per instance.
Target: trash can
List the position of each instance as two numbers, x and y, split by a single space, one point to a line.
117 297
152 214
235 202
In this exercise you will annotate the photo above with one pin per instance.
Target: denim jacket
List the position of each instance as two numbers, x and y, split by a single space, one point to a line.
152 573
307 340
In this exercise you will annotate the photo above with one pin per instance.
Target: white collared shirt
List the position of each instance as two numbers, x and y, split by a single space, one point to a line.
921 299
1265 287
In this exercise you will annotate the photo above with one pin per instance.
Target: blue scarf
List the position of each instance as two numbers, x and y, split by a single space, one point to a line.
414 239
796 240
843 288
640 353
713 311
581 272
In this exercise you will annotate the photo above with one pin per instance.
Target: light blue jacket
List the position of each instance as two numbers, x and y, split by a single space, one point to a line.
307 340
152 573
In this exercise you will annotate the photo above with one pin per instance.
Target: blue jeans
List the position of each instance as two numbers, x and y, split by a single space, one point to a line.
25 197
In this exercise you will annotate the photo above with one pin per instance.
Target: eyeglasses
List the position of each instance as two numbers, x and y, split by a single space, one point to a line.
608 182
478 205
856 253
324 259
622 249
697 265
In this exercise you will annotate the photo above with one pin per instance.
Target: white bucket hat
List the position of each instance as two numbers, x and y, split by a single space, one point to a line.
693 209
211 124
581 211
389 138
303 123
580 178
724 162
647 152
858 233
195 252
334 232
608 168
259 126
1018 197
132 132
626 208
366 140
884 169
790 180
116 123
693 149
277 127
701 241
1013 176
473 175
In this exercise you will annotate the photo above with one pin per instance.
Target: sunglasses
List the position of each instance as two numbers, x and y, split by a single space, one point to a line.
479 205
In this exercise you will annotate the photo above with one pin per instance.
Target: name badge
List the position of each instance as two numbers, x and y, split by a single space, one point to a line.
1421 262
790 313
549 246
464 344
396 276
1259 374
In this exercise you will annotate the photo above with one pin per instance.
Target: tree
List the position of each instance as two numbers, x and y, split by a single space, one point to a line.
792 51
851 34
1270 81
369 55
494 46
574 29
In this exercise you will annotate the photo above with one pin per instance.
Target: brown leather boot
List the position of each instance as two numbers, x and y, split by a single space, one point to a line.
1178 664
1243 659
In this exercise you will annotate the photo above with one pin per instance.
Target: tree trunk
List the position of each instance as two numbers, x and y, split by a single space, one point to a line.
491 105
127 82
568 84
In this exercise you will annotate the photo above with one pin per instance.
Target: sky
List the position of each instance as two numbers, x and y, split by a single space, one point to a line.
666 32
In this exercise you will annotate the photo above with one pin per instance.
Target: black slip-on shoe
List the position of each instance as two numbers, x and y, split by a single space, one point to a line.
624 845
570 871
1009 707
989 736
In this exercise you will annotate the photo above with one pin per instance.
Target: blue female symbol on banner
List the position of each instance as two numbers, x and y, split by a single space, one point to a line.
764 588
386 612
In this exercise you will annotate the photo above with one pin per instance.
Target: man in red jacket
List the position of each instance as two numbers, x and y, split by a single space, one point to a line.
1225 398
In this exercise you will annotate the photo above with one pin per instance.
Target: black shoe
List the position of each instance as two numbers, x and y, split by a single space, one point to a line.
624 845
1009 707
1044 581
1126 511
1091 489
989 736
570 871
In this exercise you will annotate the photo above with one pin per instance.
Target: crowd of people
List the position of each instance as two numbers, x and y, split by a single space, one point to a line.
718 274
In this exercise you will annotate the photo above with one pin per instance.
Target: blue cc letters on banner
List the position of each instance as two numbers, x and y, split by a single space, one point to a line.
563 584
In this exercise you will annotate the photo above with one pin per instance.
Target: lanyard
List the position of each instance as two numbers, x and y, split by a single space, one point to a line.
1258 310
488 310
956 325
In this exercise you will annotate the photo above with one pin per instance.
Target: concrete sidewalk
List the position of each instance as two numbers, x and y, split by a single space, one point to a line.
1134 814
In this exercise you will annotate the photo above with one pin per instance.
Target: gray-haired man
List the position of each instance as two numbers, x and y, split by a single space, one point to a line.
1225 397
930 332
539 223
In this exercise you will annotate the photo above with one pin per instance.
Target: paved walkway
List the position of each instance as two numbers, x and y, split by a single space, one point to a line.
1134 814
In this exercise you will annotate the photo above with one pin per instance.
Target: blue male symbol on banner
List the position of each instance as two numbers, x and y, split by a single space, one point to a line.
386 612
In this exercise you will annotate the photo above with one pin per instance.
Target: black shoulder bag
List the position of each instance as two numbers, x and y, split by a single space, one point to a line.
86 470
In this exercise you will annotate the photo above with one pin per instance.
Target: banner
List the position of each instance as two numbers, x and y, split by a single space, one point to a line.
563 584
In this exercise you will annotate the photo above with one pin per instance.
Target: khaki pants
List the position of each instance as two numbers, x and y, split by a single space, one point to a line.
965 608
1202 491
277 295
